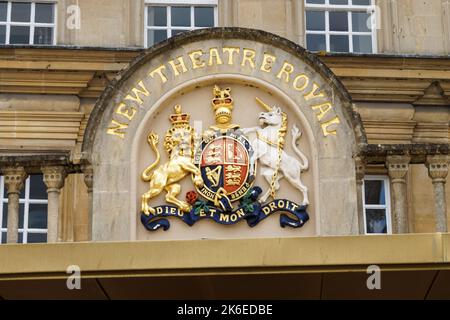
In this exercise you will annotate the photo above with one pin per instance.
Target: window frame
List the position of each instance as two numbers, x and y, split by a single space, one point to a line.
32 24
386 207
327 7
26 202
177 3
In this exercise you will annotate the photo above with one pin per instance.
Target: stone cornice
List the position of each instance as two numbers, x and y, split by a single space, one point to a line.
85 71
377 153
34 160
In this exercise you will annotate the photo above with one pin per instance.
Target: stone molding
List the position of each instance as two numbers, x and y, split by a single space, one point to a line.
438 167
54 178
14 179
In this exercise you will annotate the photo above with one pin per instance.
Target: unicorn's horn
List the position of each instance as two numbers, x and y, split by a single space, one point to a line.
264 105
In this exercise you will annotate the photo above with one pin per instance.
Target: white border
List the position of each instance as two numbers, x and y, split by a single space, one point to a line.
327 7
387 206
32 24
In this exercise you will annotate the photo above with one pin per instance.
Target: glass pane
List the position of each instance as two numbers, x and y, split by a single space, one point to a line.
19 35
361 2
157 16
5 216
44 13
362 44
316 42
338 21
2 34
3 10
155 36
37 238
204 17
4 237
361 22
20 240
175 32
339 2
181 16
37 216
374 192
21 215
43 35
38 190
315 20
376 221
338 43
20 12
316 1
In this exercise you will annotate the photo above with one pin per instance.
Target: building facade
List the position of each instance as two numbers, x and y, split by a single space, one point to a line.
85 84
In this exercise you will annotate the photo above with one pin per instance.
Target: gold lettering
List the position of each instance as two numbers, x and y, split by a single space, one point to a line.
116 129
266 210
178 67
214 54
325 126
267 63
305 80
159 210
234 217
286 70
224 217
323 108
240 212
159 72
231 51
126 111
272 206
248 56
314 93
195 59
137 92
293 206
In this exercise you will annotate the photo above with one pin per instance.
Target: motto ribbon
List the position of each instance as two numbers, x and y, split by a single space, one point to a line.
253 212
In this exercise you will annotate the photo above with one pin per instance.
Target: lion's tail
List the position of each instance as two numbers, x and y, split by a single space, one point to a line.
296 134
153 140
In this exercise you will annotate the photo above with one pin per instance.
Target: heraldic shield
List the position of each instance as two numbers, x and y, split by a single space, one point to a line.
227 167
223 168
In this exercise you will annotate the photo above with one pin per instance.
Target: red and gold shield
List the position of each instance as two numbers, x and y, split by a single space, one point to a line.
225 165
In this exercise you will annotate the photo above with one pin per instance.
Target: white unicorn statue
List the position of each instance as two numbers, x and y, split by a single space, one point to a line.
268 145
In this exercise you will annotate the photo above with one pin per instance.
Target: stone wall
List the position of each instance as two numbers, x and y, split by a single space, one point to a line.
405 26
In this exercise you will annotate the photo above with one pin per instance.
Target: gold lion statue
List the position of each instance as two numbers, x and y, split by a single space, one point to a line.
179 143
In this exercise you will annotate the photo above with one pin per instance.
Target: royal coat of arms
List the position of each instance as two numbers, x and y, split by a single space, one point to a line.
222 162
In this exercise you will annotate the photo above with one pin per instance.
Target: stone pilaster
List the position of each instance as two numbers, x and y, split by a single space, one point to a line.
360 168
89 181
54 180
398 168
437 170
14 181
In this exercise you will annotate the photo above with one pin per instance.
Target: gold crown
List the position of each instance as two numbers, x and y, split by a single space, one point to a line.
179 118
222 98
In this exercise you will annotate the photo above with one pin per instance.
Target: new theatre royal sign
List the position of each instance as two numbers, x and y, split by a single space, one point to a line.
223 127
